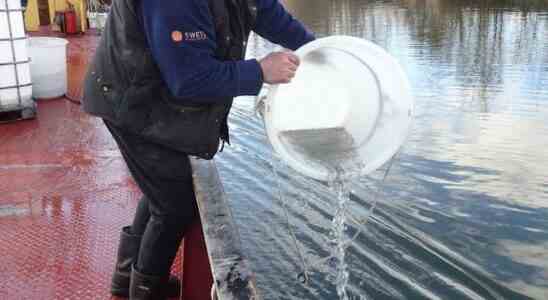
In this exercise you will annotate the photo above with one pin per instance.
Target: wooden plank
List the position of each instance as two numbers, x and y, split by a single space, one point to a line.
231 273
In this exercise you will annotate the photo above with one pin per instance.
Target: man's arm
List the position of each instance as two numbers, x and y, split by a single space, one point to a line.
278 26
181 37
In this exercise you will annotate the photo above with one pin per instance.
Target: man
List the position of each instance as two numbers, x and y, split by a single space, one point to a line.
163 80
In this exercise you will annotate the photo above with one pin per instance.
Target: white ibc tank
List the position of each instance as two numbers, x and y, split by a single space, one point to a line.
15 79
48 66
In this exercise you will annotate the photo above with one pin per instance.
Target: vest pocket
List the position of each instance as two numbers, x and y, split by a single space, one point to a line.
193 130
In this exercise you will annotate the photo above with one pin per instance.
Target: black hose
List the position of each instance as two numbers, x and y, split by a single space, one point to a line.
72 100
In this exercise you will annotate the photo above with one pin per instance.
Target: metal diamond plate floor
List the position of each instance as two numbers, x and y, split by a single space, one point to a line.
65 193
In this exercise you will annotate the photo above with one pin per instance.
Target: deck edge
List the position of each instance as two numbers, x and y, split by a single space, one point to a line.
232 275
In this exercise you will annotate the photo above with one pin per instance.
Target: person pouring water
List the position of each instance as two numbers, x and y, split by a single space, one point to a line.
163 80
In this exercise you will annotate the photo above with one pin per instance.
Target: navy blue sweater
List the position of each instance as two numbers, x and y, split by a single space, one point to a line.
189 67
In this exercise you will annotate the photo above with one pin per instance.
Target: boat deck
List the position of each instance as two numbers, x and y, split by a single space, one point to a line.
65 193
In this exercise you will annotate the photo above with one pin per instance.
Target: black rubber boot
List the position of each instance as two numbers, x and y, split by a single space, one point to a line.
145 287
128 250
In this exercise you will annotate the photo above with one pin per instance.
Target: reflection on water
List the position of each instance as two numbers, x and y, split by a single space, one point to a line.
465 209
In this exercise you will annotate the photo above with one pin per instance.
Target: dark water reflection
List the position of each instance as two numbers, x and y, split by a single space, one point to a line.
464 214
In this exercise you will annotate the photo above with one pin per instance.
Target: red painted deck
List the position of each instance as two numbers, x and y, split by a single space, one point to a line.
65 193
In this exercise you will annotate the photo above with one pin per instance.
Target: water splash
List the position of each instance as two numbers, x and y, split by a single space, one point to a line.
339 238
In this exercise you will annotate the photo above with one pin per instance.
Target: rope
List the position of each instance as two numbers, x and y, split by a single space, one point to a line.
303 276
365 219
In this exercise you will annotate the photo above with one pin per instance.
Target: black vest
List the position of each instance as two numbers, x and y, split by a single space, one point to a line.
124 85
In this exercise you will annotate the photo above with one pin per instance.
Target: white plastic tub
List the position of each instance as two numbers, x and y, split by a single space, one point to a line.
48 66
346 113
15 80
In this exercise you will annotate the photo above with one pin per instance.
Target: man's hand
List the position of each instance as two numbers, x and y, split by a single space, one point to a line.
279 67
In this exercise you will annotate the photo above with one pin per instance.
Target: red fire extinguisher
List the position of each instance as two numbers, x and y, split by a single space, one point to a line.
70 21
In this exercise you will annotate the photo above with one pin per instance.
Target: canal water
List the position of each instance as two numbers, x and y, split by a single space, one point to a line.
464 211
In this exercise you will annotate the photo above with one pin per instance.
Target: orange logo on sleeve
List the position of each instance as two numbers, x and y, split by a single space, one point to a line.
177 36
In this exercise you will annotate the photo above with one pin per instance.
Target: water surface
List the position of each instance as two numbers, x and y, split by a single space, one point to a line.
464 212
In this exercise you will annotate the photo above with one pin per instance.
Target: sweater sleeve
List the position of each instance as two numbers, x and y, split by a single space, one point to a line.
278 26
181 37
